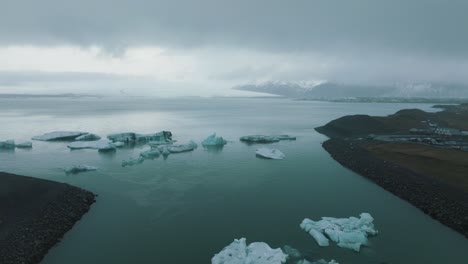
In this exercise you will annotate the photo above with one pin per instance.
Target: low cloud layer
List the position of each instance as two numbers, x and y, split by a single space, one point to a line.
224 42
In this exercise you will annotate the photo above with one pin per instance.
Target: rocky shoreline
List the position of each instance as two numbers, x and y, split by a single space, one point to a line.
35 214
435 198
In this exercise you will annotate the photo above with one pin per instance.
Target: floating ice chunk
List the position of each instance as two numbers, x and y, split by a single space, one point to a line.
164 150
213 141
181 148
266 139
320 261
150 154
269 153
256 253
123 137
165 136
88 137
59 135
78 169
291 252
132 161
101 145
119 144
8 144
259 139
349 232
26 144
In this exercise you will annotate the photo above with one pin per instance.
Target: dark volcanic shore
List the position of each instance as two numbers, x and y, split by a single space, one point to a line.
35 214
439 200
432 177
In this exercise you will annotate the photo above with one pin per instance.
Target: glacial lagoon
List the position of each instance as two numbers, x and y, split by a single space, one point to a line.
189 206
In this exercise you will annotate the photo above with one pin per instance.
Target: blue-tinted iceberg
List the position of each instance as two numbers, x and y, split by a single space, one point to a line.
270 153
101 145
349 232
255 253
163 136
78 169
214 141
60 135
88 137
132 161
8 144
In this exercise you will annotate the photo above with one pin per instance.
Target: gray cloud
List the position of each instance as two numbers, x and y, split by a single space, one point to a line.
432 27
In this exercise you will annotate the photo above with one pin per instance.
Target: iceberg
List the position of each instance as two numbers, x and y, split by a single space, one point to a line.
255 253
178 148
8 144
78 169
291 252
349 232
88 137
132 161
213 141
164 136
259 139
101 145
270 153
119 144
266 139
59 135
150 154
27 144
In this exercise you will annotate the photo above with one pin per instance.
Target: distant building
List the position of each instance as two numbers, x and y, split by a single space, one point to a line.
447 131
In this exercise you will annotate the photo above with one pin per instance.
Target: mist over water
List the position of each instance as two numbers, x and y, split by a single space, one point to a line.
186 208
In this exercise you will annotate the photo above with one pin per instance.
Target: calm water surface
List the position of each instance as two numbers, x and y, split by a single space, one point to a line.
187 207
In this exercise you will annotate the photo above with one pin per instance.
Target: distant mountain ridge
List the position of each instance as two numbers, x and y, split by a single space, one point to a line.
331 90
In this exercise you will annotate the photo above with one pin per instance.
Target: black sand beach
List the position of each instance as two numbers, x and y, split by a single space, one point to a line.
35 214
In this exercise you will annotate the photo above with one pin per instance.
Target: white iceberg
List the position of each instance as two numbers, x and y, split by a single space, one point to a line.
78 169
178 148
349 232
26 144
259 139
270 153
60 135
150 154
8 144
102 145
213 141
132 161
88 137
255 253
119 144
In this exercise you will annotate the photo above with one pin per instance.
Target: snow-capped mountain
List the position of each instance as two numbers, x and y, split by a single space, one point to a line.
331 90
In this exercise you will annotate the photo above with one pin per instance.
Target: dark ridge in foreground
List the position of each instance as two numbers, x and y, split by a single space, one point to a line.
35 214
440 201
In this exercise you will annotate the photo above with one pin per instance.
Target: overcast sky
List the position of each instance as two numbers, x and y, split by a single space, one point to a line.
208 46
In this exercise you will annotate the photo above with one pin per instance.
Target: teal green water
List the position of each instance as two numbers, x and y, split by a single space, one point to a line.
188 207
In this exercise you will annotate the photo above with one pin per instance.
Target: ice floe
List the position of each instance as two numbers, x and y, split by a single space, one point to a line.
266 139
60 135
26 144
349 232
102 145
119 144
88 137
78 169
167 149
150 154
132 161
270 153
7 144
163 136
214 141
255 253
